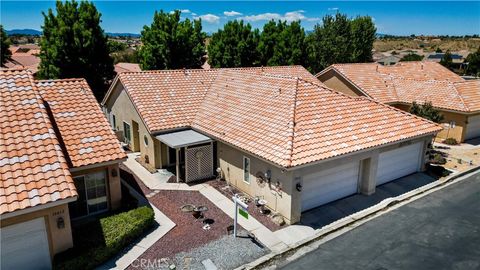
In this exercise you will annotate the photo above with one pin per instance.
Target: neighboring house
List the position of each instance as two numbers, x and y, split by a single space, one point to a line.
457 60
399 85
127 67
389 60
24 56
58 161
274 132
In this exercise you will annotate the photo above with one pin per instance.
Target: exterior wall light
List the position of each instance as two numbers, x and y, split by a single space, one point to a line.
60 223
114 173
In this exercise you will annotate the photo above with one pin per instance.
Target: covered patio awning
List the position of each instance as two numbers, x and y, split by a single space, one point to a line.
183 138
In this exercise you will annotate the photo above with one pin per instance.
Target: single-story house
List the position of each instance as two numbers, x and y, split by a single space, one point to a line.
58 162
400 85
276 133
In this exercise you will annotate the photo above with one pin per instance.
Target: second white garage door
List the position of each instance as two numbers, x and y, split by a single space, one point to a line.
25 246
473 127
329 185
397 163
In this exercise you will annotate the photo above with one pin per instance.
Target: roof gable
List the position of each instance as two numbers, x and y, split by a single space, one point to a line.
33 169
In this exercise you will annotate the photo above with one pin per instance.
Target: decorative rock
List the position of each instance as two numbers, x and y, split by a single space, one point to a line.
278 219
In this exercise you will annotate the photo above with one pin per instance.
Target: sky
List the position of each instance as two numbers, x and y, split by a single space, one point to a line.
390 17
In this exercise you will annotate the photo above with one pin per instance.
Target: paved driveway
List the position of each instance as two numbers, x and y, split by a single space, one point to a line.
328 213
438 231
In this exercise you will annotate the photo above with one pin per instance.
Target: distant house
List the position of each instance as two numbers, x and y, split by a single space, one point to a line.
275 132
58 162
437 57
389 60
24 56
401 84
127 67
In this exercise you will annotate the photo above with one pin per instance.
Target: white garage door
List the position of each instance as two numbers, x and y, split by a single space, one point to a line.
398 163
329 185
25 246
473 127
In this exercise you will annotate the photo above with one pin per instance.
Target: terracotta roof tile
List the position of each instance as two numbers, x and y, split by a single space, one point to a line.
83 127
282 114
413 81
26 181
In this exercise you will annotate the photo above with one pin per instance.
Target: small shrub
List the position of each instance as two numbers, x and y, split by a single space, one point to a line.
438 159
450 141
98 241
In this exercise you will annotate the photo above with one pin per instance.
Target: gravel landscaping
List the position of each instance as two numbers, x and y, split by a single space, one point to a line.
253 209
189 233
225 253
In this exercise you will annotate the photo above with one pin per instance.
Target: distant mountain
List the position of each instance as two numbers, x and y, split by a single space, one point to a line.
30 32
123 35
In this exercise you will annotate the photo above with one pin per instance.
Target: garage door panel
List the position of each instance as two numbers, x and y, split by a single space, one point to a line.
329 185
399 162
473 127
25 246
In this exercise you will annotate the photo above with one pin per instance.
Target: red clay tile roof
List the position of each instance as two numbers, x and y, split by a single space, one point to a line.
290 121
170 99
85 131
412 81
270 112
127 67
33 169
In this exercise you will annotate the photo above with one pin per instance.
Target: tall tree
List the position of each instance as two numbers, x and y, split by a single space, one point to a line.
234 46
447 60
4 45
282 44
363 36
473 63
74 45
330 42
169 43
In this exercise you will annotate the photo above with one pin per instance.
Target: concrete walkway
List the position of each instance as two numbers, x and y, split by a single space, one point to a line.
151 180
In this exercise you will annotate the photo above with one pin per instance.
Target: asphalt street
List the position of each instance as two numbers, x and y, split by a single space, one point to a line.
438 231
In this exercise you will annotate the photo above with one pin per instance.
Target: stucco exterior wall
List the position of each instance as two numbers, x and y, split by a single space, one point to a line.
59 239
114 188
338 83
230 160
120 105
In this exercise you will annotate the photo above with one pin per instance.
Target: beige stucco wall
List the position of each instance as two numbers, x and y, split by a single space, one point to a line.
122 107
230 161
59 239
338 83
114 190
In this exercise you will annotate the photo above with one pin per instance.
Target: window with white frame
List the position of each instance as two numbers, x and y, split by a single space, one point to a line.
246 169
92 195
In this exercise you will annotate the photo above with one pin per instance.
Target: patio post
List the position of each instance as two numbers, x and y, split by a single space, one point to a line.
177 163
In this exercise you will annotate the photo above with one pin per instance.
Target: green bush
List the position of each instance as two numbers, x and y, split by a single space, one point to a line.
96 242
438 159
450 141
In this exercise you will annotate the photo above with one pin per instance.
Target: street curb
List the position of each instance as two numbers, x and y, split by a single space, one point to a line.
265 260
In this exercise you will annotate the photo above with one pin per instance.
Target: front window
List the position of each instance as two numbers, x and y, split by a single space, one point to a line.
126 133
92 195
114 122
246 169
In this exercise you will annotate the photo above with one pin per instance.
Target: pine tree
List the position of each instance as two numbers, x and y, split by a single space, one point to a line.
169 43
4 46
74 45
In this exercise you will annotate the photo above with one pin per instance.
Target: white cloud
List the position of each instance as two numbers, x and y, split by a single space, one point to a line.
209 18
185 11
194 14
288 16
232 13
333 9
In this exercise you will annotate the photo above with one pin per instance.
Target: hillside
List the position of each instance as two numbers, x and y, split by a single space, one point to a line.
427 44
